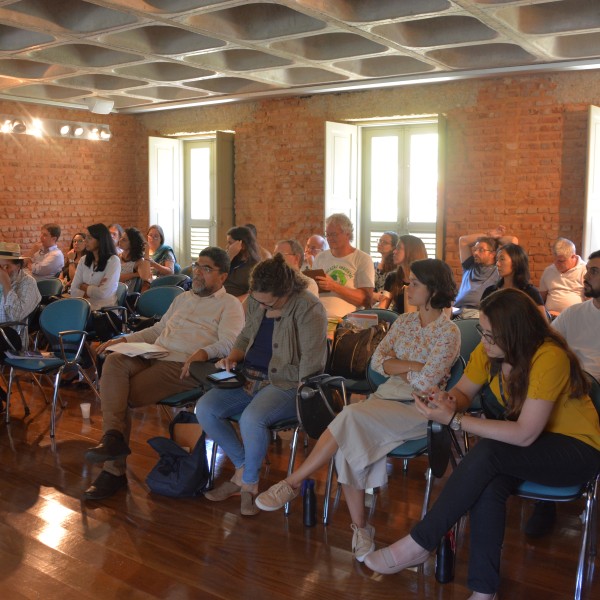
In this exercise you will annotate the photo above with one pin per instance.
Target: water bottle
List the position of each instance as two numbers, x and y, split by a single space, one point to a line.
309 503
445 558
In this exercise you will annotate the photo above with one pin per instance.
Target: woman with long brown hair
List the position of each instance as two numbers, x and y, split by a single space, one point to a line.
408 249
544 428
385 246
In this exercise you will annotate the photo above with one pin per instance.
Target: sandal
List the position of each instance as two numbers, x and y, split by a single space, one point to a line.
224 491
248 507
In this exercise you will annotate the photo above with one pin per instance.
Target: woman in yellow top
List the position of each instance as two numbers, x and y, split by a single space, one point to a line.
548 433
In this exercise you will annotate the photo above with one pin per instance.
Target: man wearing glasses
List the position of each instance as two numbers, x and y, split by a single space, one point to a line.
200 325
478 259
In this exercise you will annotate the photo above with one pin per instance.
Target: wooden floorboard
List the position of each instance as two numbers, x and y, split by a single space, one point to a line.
140 546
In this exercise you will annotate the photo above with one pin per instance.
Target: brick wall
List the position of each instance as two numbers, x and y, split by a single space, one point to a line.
71 182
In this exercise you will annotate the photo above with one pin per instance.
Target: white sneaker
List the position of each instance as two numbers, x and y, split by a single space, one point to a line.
276 496
362 541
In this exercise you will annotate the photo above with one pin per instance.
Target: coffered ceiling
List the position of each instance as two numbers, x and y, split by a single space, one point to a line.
156 54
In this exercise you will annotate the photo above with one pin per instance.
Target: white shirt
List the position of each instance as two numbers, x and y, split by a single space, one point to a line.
102 285
194 322
564 289
47 263
354 271
580 326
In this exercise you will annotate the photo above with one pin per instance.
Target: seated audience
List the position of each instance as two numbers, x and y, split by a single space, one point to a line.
408 249
349 274
135 269
416 355
561 284
283 341
244 253
293 254
200 325
264 253
48 260
75 253
116 233
512 263
19 296
97 274
385 246
546 431
315 244
478 259
160 255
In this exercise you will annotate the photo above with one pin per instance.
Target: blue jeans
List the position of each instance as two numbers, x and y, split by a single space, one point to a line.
269 405
482 483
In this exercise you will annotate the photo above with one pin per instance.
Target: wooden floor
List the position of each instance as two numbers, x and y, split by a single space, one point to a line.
137 545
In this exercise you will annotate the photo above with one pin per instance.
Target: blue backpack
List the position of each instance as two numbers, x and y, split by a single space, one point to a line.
179 473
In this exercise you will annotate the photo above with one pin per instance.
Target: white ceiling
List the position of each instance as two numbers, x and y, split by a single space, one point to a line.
156 54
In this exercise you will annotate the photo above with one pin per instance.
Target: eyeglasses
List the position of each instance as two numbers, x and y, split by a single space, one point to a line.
478 249
204 268
488 337
333 235
267 306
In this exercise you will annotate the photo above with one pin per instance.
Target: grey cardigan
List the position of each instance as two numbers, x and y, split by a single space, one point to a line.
299 338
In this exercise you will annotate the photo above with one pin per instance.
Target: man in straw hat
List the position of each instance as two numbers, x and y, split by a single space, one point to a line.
19 295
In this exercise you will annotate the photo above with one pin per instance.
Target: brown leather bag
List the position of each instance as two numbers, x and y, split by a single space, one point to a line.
352 349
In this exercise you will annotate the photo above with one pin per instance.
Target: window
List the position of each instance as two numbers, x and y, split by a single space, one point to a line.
399 183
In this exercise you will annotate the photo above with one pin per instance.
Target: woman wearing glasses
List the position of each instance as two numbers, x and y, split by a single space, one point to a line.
547 432
283 341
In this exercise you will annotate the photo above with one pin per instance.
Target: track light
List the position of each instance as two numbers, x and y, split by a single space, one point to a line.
65 130
18 126
54 128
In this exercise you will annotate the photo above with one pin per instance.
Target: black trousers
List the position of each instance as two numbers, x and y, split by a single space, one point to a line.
481 485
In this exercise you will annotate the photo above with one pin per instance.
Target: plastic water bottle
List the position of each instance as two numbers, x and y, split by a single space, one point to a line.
445 558
309 503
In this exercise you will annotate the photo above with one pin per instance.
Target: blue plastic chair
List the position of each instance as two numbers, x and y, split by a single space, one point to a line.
156 301
49 287
469 337
63 325
589 489
177 279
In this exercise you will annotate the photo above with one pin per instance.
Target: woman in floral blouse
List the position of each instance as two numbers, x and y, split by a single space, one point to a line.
416 355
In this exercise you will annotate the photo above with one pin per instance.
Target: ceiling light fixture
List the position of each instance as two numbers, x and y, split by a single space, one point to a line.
54 128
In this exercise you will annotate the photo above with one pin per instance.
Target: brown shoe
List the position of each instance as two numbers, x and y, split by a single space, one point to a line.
248 507
223 491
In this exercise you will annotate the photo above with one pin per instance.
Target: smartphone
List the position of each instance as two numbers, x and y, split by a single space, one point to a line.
221 376
425 399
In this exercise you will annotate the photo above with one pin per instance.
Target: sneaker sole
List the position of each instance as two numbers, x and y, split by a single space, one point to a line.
362 557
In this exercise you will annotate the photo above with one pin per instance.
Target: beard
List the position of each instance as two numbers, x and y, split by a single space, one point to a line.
201 289
589 291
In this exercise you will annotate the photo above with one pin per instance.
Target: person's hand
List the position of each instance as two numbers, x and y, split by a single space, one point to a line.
325 283
71 254
4 279
437 406
198 356
234 249
309 259
227 364
498 232
102 347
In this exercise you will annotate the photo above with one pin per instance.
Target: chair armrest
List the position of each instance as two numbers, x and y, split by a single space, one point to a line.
62 334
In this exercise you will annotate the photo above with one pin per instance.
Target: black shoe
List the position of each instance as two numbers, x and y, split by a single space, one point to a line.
106 485
542 520
111 447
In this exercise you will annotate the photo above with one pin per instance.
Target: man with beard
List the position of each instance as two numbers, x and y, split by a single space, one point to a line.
19 295
478 259
200 325
580 326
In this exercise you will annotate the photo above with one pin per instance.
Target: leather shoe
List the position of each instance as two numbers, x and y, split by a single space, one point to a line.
106 485
542 519
111 447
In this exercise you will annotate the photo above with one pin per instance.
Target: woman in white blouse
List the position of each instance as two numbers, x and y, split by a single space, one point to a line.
97 274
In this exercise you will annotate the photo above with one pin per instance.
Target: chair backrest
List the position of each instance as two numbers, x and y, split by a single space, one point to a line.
122 291
156 301
469 336
389 316
50 287
178 279
595 392
64 315
187 271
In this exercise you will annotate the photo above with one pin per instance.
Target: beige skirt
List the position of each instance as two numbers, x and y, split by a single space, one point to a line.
366 432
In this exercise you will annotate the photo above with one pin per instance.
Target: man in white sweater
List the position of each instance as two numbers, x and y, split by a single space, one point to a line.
201 324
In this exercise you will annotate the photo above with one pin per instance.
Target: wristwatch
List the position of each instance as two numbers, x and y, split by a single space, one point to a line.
455 423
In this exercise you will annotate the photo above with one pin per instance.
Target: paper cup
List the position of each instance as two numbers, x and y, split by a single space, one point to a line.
85 409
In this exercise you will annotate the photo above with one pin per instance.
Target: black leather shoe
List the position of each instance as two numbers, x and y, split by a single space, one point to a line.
106 485
111 447
542 520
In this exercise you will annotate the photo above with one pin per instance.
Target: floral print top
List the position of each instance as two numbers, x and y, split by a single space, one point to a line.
437 345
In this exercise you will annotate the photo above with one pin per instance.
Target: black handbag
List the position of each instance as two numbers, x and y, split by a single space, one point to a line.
182 470
318 402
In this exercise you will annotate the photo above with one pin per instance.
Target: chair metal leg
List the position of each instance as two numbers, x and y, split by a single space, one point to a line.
587 539
429 480
23 401
213 461
54 402
292 460
11 377
328 491
89 381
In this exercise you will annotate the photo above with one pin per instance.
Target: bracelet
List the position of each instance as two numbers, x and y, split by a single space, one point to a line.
452 418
